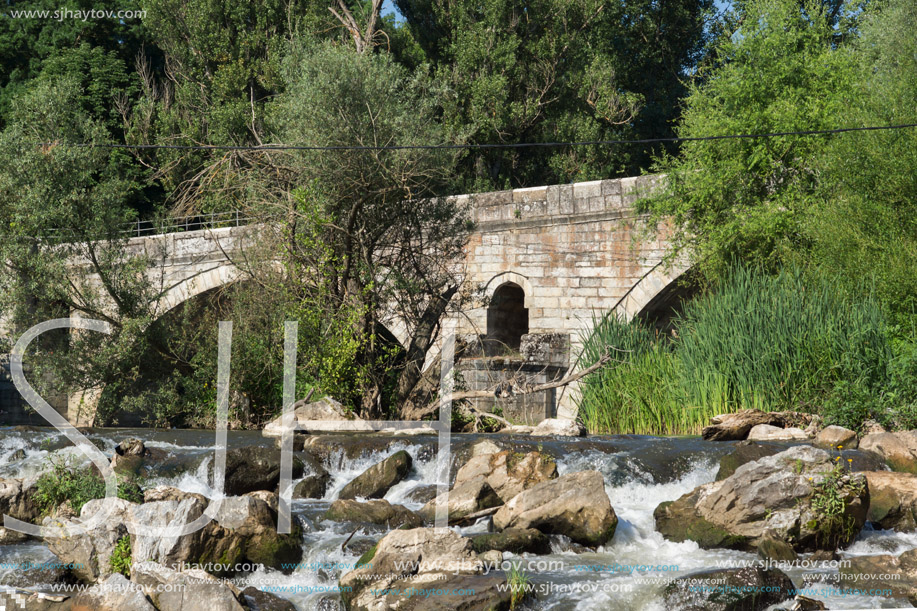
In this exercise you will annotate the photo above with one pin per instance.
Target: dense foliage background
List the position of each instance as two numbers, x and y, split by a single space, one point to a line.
836 210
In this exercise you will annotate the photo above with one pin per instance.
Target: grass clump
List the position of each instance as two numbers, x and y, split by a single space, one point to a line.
785 341
66 482
120 559
518 580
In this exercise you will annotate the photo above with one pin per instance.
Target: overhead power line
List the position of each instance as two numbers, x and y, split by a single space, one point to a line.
517 145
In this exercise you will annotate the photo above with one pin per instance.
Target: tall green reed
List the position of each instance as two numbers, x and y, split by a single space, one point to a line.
761 341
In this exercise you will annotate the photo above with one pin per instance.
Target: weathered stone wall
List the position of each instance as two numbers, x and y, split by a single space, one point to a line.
577 251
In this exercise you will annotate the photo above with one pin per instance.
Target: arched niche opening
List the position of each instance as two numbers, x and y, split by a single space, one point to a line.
507 317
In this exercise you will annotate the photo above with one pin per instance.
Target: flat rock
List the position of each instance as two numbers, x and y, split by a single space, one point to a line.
767 432
377 511
558 426
334 416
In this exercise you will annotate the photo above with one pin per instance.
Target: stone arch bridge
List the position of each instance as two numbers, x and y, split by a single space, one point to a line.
546 261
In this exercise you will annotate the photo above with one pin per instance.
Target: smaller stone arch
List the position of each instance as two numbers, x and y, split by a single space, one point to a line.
502 278
652 284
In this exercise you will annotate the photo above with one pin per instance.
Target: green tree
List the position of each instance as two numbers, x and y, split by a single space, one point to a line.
62 206
866 223
26 43
367 241
781 71
555 70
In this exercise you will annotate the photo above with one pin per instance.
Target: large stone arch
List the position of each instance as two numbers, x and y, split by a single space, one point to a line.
220 274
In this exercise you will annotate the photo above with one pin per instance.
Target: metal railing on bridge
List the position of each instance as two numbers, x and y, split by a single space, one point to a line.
197 222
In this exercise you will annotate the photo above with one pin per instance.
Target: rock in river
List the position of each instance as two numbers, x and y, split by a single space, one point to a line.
254 468
378 511
423 559
893 500
574 505
784 495
898 449
747 589
378 479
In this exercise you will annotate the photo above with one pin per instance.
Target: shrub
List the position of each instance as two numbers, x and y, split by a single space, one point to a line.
65 482
79 485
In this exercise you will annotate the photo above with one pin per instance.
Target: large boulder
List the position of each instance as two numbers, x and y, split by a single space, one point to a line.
898 449
16 500
791 496
244 531
423 559
558 426
115 593
746 589
90 551
885 572
575 505
837 437
736 426
378 479
254 468
377 511
893 500
187 590
508 473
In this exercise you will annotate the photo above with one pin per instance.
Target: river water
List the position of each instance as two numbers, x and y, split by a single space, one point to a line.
640 472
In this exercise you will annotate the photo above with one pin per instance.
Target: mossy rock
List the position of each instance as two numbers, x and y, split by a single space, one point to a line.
274 550
678 521
514 540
